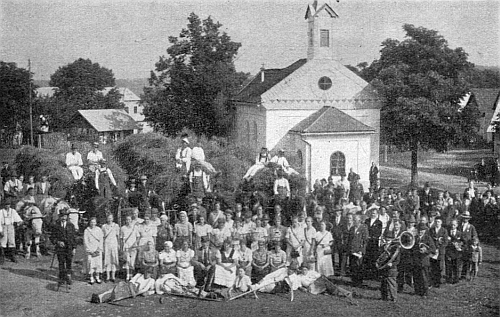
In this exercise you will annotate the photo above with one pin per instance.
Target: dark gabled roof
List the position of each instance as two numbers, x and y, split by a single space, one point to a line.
255 88
485 98
109 119
330 120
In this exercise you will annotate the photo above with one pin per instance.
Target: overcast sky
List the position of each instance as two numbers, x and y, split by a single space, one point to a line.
129 36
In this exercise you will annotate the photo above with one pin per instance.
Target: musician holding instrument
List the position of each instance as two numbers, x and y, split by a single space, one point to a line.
422 250
438 266
389 274
454 253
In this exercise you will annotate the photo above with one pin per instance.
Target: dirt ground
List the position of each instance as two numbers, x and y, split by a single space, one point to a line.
28 288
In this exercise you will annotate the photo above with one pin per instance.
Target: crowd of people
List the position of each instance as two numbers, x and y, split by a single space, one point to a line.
338 229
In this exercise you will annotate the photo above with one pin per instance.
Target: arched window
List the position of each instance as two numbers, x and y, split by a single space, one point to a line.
300 159
337 164
247 132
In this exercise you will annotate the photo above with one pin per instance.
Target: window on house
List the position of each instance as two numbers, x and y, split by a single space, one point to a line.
135 109
255 132
247 132
337 164
324 38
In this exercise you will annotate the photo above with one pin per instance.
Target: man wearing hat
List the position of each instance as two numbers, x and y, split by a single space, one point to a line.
104 179
421 251
13 187
440 236
183 156
34 217
206 259
74 163
94 157
405 270
8 217
64 239
469 233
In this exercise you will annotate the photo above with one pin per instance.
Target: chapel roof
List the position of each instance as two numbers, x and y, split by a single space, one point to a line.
256 87
330 120
485 98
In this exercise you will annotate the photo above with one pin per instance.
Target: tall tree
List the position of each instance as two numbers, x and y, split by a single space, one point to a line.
80 86
14 95
191 86
420 80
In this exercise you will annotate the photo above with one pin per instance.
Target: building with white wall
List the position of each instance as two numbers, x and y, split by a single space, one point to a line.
325 117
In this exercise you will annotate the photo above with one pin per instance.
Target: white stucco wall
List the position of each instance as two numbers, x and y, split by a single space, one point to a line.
355 147
370 117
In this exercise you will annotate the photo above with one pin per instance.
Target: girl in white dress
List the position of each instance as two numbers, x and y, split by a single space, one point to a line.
93 243
309 244
324 241
111 232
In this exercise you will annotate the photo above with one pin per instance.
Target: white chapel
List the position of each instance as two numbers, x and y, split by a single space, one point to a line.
325 117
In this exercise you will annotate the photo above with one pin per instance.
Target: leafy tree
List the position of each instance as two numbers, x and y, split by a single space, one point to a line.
14 95
420 80
191 87
485 78
79 87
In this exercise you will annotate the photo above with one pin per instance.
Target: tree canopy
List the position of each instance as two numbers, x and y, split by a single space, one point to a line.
420 80
80 86
14 95
191 87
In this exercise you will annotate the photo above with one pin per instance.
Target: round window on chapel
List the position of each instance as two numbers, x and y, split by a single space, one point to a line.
325 83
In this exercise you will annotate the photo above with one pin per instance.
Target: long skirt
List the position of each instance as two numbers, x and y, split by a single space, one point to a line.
187 275
224 277
94 263
111 260
324 262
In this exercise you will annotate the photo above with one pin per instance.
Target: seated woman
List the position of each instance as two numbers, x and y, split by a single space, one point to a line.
219 234
260 162
245 258
282 162
260 262
201 230
241 284
260 233
168 265
149 260
225 270
277 257
185 269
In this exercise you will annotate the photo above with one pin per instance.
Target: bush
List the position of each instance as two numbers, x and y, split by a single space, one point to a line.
33 161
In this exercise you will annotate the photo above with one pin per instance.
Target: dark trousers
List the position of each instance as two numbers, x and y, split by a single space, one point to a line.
357 271
388 285
421 279
453 269
343 263
204 277
65 259
405 273
437 271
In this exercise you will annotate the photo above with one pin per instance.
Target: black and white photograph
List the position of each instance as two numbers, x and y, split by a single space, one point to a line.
249 158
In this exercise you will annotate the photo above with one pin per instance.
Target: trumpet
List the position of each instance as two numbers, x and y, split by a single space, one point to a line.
392 248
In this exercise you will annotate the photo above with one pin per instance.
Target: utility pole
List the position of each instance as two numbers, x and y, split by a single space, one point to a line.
31 105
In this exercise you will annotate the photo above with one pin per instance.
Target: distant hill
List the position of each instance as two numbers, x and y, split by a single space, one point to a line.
494 68
135 84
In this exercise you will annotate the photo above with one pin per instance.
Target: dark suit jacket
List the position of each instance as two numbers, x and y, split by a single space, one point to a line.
419 258
373 173
66 235
440 238
358 239
39 191
337 232
469 234
451 251
375 230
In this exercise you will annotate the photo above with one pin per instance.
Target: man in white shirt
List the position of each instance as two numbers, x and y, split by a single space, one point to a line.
8 217
94 157
281 160
198 156
183 156
74 163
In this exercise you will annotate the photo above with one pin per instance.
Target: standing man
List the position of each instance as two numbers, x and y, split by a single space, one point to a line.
356 191
438 267
183 156
374 226
373 177
358 237
421 251
64 238
469 233
8 217
104 179
94 157
337 231
74 163
42 188
426 200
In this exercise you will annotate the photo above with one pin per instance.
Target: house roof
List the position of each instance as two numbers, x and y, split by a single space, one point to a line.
256 87
485 98
109 119
127 94
330 120
495 116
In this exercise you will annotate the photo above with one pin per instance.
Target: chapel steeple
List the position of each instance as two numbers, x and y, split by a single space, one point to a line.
320 18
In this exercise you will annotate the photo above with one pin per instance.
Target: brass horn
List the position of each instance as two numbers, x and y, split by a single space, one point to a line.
392 248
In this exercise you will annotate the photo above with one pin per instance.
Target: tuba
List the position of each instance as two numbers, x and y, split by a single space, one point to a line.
392 248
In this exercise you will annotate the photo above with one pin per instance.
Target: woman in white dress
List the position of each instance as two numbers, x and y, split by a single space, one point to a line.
93 243
324 241
129 237
111 232
309 244
295 240
185 269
